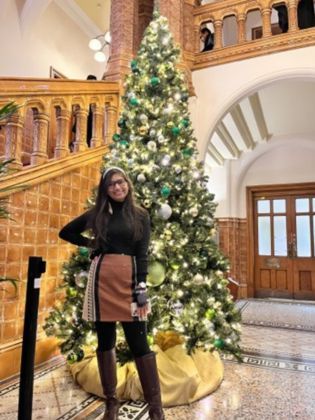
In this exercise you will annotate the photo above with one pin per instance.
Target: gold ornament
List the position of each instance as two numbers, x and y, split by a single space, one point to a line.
143 130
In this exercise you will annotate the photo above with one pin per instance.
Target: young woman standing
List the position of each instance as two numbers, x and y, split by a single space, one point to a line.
116 289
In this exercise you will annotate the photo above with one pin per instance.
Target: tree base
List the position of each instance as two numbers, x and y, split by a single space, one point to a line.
184 379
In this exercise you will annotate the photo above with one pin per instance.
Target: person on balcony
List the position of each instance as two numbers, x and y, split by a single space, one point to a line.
305 13
206 37
116 289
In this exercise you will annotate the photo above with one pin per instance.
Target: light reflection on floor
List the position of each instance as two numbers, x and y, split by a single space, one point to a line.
276 381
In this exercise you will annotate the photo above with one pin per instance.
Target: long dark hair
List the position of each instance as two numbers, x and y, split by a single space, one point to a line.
132 213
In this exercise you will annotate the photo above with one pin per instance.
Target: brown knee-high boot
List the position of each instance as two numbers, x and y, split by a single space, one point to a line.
149 378
107 368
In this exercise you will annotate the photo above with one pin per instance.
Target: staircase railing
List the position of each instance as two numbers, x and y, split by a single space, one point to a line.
54 118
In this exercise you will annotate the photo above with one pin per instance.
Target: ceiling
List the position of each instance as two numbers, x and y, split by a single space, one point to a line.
98 11
280 109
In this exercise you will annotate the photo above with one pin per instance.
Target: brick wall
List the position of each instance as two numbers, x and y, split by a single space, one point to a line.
39 213
234 245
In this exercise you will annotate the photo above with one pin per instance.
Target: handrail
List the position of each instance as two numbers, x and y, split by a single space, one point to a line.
217 11
55 116
31 176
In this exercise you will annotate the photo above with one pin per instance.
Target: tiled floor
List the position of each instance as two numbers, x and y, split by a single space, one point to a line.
276 380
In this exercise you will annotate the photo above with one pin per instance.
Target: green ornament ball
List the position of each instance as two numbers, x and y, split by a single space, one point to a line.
133 101
83 251
165 191
124 143
116 137
185 122
154 81
156 274
210 313
187 152
121 123
175 131
218 343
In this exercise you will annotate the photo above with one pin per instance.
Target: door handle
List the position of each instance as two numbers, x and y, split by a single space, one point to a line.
294 249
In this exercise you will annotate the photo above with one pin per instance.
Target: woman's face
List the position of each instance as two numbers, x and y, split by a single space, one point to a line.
118 187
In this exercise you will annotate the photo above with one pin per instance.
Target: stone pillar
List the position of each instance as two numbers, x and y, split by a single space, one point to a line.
241 18
122 31
218 27
13 140
39 152
196 38
266 20
173 12
292 15
97 126
81 130
143 16
111 118
63 133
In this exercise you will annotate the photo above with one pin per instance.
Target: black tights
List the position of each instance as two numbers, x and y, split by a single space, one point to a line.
135 333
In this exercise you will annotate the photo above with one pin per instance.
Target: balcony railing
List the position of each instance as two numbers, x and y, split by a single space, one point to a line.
216 13
54 117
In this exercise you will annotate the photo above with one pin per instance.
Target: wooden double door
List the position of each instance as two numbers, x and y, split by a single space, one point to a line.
284 243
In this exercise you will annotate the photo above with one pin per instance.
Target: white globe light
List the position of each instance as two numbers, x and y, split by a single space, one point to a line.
108 37
95 44
100 56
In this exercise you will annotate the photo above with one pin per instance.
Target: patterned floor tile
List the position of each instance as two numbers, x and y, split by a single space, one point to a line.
292 315
276 380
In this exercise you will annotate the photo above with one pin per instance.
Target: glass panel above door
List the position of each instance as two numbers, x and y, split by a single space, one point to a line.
264 235
280 236
263 206
279 206
303 236
302 205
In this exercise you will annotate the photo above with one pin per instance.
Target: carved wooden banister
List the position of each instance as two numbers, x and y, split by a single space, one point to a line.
218 10
52 118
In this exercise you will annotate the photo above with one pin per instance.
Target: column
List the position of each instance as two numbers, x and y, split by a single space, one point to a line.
81 131
97 126
122 31
218 28
266 20
39 153
292 15
63 133
197 38
13 140
241 18
111 120
143 16
173 12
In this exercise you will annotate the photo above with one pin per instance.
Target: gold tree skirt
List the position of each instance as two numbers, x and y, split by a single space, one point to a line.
184 379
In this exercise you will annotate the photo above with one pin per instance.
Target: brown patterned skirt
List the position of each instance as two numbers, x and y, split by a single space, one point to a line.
109 291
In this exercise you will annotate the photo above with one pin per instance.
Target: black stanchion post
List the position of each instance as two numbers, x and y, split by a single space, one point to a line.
36 266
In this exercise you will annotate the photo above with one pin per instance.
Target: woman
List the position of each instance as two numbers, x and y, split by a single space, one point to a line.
116 289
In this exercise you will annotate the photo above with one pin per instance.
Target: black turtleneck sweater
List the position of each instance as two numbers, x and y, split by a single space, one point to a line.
119 234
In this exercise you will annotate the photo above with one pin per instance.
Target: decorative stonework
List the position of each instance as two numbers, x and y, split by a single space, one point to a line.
217 11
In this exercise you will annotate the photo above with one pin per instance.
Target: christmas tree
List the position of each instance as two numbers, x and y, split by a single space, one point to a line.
156 147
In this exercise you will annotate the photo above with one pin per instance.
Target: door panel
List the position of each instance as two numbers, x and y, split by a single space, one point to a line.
284 255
